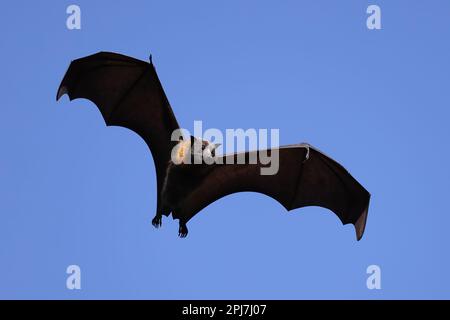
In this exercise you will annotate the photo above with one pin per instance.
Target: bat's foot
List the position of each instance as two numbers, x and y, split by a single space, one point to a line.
183 230
157 221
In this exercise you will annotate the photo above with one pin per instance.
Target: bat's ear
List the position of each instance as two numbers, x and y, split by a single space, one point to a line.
216 145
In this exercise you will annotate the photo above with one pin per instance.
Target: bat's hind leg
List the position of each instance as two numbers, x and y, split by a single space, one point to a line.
157 220
183 230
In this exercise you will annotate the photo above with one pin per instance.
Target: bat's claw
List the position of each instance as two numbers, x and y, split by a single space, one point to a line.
307 147
183 231
157 221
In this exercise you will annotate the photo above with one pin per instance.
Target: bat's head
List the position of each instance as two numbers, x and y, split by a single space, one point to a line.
195 151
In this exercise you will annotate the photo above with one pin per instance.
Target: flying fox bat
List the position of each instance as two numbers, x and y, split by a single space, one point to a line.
129 94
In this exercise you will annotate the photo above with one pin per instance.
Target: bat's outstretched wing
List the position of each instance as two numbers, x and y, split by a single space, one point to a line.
306 177
129 94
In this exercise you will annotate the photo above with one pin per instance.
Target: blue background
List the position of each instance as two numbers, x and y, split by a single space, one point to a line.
75 192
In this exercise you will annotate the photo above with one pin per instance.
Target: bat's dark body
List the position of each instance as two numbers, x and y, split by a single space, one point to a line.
129 94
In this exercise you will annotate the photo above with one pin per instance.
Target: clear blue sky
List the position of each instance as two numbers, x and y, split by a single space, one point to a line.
75 192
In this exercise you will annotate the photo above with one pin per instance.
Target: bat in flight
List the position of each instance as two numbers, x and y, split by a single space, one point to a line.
128 93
